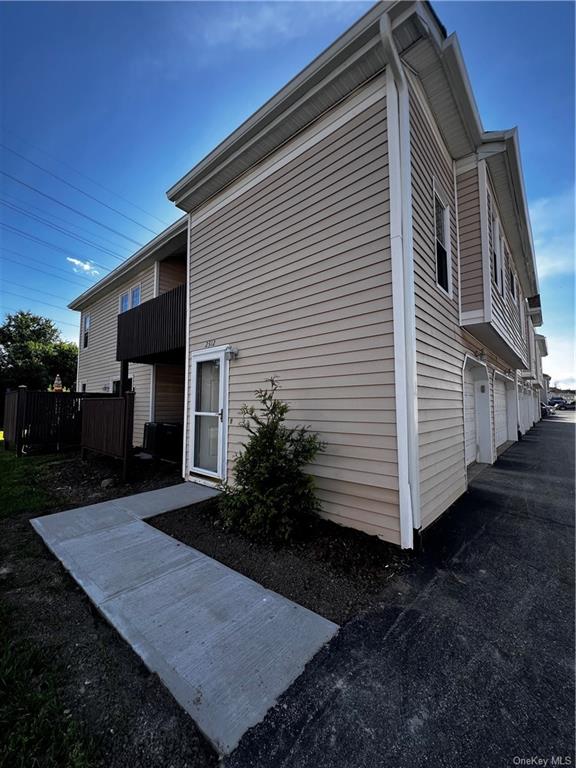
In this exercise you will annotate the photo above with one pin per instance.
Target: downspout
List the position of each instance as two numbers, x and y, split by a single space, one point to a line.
401 246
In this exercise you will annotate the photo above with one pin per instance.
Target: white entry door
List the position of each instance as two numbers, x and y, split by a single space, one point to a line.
470 439
500 412
208 412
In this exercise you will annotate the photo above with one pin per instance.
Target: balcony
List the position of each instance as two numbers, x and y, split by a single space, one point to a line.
155 331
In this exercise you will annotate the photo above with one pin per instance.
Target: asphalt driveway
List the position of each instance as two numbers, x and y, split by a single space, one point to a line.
470 660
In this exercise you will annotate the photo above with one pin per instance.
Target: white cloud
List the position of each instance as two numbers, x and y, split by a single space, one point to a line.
257 25
83 267
560 364
553 230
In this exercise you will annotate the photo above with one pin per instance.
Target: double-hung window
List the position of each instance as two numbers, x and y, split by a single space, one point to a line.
441 228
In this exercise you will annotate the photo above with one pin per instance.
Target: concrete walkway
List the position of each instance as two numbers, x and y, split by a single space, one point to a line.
468 662
225 647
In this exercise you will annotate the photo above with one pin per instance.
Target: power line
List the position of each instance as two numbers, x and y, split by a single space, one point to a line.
55 320
35 239
77 189
43 271
43 263
69 207
38 301
63 230
35 208
36 290
88 178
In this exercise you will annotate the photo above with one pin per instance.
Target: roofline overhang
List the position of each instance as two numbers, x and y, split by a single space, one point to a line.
363 32
144 254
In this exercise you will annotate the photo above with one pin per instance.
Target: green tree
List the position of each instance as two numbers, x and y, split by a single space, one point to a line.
32 353
271 496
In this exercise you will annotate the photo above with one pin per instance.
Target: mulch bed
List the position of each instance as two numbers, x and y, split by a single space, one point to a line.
336 572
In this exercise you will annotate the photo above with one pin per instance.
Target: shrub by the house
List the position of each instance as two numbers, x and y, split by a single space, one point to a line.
271 496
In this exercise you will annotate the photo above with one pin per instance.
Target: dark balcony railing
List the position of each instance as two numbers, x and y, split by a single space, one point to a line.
155 330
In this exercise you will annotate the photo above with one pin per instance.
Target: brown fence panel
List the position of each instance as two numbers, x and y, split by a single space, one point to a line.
107 425
11 418
44 418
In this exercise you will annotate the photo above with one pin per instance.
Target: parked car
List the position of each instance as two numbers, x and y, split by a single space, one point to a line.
546 410
559 403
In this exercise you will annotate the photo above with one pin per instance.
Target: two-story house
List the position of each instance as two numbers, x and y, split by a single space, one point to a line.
365 240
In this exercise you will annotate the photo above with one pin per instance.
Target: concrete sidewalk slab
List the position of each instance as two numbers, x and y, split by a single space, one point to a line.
225 646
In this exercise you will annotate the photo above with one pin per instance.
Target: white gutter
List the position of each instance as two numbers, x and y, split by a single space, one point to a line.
398 127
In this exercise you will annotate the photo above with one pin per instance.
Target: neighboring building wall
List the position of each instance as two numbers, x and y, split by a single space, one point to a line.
295 273
97 364
171 273
441 344
169 393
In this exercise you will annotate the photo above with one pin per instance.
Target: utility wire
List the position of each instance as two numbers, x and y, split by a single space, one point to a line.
63 230
61 322
77 189
69 207
38 301
43 263
35 239
88 178
36 209
50 274
36 290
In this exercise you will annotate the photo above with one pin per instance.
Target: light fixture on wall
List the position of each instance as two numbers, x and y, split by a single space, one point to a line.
480 355
231 353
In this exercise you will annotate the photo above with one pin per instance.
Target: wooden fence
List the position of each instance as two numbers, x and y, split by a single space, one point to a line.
107 425
43 418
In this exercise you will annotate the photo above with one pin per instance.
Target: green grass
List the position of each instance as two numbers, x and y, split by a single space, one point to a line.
35 730
20 486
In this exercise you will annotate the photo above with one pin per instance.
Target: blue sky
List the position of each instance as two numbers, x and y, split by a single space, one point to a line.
133 94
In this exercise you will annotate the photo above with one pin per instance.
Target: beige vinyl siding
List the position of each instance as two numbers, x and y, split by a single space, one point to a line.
505 311
171 273
169 393
440 347
295 274
470 231
97 364
441 344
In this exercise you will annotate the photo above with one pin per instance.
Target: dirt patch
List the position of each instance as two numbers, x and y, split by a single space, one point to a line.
337 572
76 481
102 686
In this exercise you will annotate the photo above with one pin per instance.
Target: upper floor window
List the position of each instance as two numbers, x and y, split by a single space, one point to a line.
86 330
497 250
512 282
441 227
129 299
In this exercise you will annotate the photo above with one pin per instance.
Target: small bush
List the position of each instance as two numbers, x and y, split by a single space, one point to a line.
271 496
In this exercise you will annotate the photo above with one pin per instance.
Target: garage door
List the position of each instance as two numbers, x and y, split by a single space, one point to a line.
500 412
469 417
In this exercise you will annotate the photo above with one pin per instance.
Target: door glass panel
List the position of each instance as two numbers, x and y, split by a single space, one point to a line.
208 386
206 442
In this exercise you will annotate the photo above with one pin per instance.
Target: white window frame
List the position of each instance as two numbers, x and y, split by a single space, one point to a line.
128 293
436 193
199 356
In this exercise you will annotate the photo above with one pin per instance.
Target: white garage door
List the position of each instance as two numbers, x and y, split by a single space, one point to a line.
500 412
469 417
